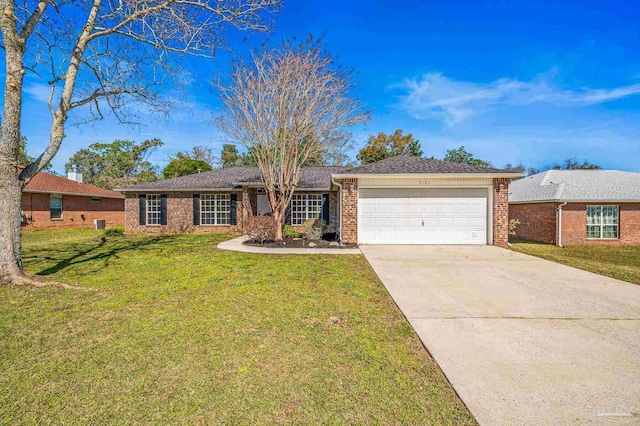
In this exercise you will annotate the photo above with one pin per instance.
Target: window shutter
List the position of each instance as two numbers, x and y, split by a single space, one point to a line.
143 209
196 209
287 215
325 208
163 209
233 214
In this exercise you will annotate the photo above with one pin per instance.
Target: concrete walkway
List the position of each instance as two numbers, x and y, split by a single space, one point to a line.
522 340
237 245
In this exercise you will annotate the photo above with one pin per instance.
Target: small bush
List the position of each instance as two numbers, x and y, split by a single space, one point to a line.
314 228
289 231
113 232
261 229
513 224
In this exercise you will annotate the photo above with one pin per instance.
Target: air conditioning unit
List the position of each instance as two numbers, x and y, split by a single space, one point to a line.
100 223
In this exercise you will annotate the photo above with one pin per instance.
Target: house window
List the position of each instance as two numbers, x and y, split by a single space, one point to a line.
154 209
602 222
304 207
55 206
95 199
215 209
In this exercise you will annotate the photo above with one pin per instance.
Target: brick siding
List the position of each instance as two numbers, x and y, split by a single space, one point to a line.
37 216
574 224
537 221
500 212
350 210
180 214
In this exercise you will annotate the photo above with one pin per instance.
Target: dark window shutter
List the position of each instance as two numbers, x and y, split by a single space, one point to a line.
196 209
163 209
287 215
143 209
233 214
325 208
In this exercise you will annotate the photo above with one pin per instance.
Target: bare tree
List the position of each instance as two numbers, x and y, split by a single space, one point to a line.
103 55
291 103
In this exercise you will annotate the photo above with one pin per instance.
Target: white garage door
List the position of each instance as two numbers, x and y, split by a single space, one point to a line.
418 216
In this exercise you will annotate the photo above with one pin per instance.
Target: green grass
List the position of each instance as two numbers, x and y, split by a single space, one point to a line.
622 263
181 332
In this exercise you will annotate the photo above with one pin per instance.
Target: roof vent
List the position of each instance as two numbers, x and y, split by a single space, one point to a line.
74 175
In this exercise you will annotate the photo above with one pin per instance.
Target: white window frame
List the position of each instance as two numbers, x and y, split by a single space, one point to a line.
601 225
301 208
56 196
154 209
215 209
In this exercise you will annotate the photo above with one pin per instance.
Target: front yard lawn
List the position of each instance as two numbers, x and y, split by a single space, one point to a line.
181 332
622 263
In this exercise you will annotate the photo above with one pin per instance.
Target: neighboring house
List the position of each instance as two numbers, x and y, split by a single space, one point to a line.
51 201
400 200
577 207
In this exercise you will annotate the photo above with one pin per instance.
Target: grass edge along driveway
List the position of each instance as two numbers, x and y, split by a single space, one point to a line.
619 262
181 332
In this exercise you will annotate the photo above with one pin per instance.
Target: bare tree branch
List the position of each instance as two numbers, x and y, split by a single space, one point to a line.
291 104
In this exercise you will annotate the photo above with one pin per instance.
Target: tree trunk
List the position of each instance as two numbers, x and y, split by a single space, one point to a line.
10 223
278 220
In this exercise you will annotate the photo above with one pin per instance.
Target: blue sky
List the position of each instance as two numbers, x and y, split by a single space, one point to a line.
530 82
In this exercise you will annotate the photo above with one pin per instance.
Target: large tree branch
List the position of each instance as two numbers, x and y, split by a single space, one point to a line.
35 17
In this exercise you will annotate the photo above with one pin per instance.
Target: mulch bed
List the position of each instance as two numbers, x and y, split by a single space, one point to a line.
297 243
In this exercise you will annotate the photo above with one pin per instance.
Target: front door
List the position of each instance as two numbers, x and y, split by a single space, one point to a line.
263 205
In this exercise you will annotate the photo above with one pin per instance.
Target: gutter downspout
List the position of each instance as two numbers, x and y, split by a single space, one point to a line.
339 185
559 239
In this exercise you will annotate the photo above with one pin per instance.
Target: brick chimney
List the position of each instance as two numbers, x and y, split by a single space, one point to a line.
74 174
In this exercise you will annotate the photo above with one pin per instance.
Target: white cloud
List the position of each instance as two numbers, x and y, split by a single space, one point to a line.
435 96
38 91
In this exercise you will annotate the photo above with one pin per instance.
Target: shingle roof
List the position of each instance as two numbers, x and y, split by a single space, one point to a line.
235 177
576 185
47 183
410 164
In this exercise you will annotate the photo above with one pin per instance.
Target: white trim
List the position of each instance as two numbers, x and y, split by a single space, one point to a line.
32 191
602 224
215 211
490 215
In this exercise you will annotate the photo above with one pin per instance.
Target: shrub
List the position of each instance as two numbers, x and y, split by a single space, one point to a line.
113 232
513 224
289 231
261 229
314 228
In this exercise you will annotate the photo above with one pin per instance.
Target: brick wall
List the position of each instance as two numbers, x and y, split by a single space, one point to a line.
180 214
500 212
537 221
574 225
350 211
37 215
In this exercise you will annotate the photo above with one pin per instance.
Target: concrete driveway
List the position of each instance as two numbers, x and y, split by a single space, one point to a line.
522 340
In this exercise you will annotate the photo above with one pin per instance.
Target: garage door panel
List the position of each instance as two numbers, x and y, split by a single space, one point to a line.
434 216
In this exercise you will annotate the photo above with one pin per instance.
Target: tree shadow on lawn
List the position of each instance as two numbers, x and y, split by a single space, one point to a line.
78 254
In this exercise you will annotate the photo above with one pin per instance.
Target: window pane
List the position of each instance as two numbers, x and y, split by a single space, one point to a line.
594 214
593 231
610 215
55 206
153 209
610 231
215 209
